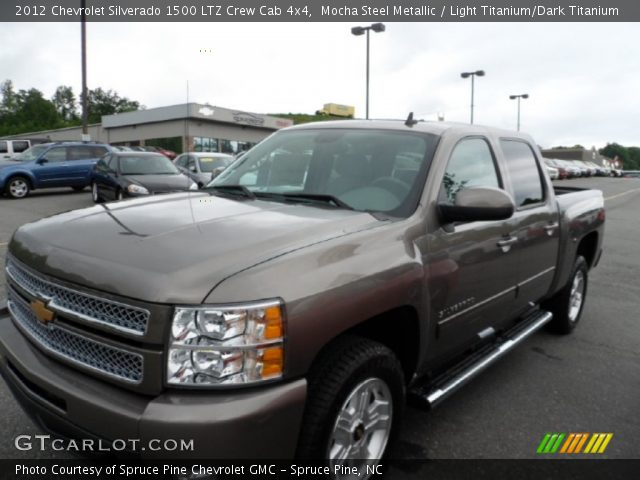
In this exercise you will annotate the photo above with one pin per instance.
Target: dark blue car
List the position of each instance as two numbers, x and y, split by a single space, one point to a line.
50 165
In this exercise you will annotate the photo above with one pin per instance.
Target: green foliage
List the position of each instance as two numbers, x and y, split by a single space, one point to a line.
29 111
630 156
108 102
306 117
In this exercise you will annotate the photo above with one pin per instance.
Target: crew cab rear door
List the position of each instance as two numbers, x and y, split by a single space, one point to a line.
535 221
470 267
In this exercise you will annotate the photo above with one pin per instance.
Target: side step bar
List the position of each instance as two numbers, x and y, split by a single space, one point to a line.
433 393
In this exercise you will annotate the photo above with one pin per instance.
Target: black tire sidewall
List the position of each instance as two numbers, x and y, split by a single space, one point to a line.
559 305
374 360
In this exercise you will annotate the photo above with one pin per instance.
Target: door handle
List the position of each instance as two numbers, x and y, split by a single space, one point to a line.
551 227
506 242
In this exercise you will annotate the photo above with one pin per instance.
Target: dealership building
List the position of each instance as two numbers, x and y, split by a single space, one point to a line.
186 127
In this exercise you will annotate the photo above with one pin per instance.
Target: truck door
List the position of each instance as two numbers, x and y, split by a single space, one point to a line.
470 266
535 222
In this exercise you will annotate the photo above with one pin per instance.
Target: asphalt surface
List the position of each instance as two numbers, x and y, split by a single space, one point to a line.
585 382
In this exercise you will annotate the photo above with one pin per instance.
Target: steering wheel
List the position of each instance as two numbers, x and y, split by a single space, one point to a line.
396 187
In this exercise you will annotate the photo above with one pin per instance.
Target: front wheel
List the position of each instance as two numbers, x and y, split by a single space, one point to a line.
95 193
18 187
354 404
568 303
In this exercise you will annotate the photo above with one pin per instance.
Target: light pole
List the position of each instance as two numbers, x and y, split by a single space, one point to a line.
376 27
83 48
479 73
523 96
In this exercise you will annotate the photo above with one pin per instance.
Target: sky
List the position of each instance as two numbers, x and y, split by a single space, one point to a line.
583 79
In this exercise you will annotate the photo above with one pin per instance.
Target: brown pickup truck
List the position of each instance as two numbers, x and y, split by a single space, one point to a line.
290 308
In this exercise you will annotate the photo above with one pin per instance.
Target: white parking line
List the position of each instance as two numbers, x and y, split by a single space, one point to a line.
2 244
623 193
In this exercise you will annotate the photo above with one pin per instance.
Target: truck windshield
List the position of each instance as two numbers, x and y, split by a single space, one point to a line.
364 169
31 153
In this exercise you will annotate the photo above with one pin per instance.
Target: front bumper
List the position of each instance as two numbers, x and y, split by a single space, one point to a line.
255 423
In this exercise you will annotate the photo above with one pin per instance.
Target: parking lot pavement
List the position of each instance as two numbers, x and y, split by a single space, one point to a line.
585 382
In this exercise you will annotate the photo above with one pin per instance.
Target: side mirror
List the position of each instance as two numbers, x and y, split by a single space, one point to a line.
42 161
478 204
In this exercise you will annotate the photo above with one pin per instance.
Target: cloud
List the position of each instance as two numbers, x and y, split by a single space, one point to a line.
581 76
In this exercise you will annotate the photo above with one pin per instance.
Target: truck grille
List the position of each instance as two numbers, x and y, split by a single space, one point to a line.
118 316
76 348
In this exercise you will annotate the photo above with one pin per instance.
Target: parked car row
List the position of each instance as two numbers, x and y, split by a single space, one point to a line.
577 168
113 172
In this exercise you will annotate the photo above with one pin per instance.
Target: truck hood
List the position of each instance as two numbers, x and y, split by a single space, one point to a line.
174 248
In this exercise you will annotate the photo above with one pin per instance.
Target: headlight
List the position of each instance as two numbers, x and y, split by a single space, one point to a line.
221 345
194 186
137 189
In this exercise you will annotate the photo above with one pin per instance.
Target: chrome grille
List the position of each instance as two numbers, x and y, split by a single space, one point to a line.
59 341
93 309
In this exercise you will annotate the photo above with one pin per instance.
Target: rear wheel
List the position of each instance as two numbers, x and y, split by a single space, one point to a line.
354 404
18 187
568 303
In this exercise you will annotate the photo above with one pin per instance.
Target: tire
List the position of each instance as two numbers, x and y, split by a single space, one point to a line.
119 195
334 422
78 189
18 187
567 305
95 194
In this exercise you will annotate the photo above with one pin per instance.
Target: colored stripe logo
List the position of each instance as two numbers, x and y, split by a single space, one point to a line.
572 443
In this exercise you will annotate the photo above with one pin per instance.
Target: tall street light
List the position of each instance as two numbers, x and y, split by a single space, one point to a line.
479 73
523 96
376 27
83 45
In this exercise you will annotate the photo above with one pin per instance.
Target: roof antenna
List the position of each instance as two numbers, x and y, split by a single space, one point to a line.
410 122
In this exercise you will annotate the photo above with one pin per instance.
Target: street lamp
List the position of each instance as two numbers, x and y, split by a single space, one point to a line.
523 96
376 27
479 73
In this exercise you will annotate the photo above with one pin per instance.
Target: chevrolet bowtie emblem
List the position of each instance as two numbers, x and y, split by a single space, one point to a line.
42 313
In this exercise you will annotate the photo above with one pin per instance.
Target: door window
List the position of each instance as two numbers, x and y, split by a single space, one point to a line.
182 161
57 154
523 171
20 146
191 164
3 147
471 165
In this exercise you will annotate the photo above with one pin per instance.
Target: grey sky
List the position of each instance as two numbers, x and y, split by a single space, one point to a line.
583 79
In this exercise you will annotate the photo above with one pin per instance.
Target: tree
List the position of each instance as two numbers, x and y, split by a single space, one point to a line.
613 150
65 102
9 103
101 102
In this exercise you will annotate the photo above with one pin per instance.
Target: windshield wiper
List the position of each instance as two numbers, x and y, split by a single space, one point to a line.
232 189
318 197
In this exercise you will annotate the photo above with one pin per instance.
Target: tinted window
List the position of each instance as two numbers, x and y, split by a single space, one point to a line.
20 146
57 154
471 165
208 164
97 152
523 170
3 147
80 153
147 165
